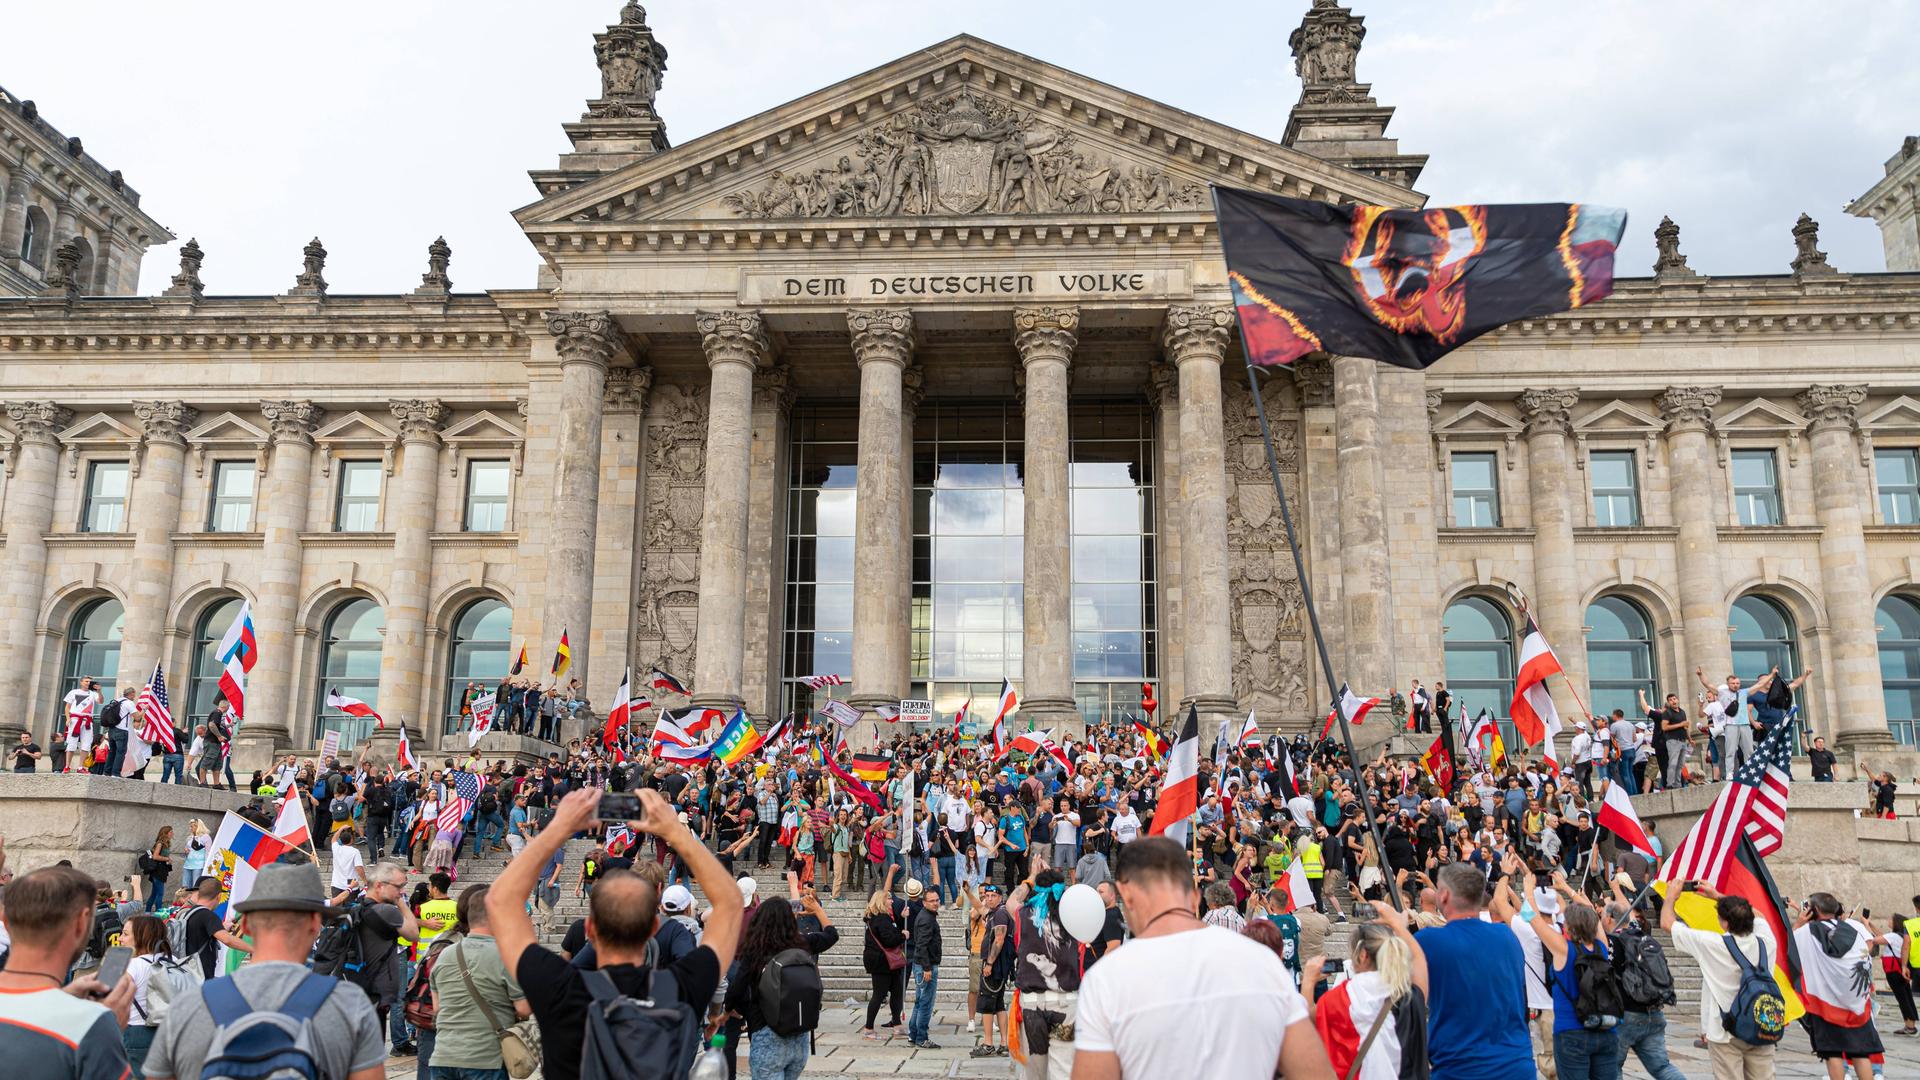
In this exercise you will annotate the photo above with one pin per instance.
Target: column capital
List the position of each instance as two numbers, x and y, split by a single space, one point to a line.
164 422
881 335
1197 331
626 389
733 337
1313 379
38 421
1831 405
420 418
1547 410
1163 384
773 387
292 421
1045 333
1688 408
913 390
586 337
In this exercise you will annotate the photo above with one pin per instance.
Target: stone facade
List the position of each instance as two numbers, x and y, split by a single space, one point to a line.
964 224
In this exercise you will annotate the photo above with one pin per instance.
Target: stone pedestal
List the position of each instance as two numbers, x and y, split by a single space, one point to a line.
882 346
100 823
28 516
268 726
1854 652
1045 339
1196 341
736 344
1688 411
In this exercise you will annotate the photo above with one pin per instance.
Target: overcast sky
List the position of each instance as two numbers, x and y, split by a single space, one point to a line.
377 126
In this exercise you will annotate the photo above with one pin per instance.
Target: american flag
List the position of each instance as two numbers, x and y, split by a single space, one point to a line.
467 785
156 717
821 682
451 814
1753 802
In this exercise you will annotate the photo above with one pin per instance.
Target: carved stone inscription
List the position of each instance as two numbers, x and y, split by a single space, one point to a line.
968 155
1093 282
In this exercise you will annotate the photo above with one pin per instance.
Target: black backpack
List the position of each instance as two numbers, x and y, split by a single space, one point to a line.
789 992
637 1038
1645 979
106 930
1598 1003
340 952
487 803
341 809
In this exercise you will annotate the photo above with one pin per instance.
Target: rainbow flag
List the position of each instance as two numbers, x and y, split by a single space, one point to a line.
738 739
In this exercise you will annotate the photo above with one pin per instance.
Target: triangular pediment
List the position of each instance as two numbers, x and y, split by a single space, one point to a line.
482 426
1760 416
965 129
355 427
1479 418
98 428
1900 414
226 427
1617 415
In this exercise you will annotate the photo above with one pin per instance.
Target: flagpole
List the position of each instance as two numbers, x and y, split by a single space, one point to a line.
1313 617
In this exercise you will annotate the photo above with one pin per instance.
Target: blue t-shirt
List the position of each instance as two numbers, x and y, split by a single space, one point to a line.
1565 989
1764 714
1476 1002
1013 832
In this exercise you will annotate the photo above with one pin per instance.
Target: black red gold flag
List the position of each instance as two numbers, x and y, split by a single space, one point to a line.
1404 287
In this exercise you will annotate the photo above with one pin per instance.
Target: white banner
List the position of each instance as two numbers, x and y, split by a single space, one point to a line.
330 746
916 711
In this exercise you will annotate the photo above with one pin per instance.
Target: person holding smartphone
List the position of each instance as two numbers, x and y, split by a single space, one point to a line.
71 1029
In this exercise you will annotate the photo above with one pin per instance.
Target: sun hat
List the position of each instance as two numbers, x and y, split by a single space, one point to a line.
285 887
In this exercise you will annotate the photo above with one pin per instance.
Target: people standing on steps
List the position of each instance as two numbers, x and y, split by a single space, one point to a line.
772 932
883 957
923 946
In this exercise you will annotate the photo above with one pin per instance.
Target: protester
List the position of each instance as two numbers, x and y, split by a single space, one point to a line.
1382 1005
883 957
771 934
52 1029
1477 1026
1585 1047
1720 976
204 930
1835 958
147 936
923 949
283 916
474 997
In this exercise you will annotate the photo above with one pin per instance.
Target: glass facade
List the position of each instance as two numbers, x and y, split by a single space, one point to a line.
1620 656
820 494
1898 624
1111 478
93 649
481 652
1764 638
203 689
1478 647
350 663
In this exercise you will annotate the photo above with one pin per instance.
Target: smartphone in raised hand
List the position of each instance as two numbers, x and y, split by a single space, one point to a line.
113 966
619 806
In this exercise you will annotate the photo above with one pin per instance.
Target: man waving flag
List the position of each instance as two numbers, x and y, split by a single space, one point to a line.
156 717
1180 790
237 654
1534 717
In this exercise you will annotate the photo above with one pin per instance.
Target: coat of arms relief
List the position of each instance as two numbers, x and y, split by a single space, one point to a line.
968 155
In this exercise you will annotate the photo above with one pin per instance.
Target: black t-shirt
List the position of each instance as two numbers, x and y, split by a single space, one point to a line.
1111 934
558 995
202 924
1822 761
23 756
673 785
576 938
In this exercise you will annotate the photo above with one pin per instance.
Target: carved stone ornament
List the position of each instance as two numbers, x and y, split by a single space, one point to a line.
38 421
1163 381
164 421
313 264
1326 49
1808 259
1197 331
1831 405
968 155
64 279
881 335
667 599
1268 614
292 421
420 419
1045 333
1669 264
631 63
1688 407
733 337
584 337
435 280
187 282
1548 409
913 389
627 389
1313 379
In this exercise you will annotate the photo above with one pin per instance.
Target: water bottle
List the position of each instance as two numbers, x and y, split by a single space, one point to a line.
712 1062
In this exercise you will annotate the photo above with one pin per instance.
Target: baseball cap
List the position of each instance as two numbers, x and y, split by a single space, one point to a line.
677 899
748 887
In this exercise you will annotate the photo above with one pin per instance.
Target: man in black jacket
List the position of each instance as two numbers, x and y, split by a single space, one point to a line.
923 953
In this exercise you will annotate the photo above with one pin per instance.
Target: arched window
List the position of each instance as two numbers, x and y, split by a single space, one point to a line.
33 245
481 652
93 647
1764 638
350 663
203 687
1898 622
1478 641
1619 656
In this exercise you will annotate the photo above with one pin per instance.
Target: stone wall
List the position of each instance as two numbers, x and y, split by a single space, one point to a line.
100 823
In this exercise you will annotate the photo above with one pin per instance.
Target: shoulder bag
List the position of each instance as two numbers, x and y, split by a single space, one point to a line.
519 1044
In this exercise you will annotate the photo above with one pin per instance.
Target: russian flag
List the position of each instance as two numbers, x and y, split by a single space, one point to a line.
238 653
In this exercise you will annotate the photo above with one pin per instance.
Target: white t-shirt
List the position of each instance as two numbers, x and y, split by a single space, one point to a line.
955 809
1139 1004
346 860
1126 827
1066 827
1301 807
1534 953
1719 975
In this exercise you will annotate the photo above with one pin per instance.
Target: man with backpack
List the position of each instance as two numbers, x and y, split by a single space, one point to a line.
361 942
273 1010
629 1019
1646 986
1736 977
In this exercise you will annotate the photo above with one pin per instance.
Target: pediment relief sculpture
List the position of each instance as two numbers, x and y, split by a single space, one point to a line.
968 155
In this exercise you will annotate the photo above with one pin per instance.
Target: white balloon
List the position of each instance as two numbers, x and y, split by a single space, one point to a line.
1082 912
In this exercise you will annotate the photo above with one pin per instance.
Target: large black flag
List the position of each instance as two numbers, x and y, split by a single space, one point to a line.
1404 286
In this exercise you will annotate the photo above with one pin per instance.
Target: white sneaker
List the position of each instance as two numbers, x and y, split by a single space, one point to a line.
972 1025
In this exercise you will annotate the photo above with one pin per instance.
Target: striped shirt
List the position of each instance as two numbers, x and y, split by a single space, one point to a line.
52 1035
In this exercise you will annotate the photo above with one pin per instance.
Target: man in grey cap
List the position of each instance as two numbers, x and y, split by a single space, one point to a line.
283 916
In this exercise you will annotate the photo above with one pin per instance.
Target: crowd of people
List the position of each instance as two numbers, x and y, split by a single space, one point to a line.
1494 930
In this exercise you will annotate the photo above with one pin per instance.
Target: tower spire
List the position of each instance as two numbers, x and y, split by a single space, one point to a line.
1337 118
620 126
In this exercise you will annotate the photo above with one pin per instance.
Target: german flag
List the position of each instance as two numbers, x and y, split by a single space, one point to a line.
562 657
1155 744
870 767
520 659
853 784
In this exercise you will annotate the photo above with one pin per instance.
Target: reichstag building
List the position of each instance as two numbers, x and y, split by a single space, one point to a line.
929 379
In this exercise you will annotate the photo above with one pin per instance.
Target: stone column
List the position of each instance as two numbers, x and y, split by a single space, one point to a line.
587 342
106 253
1861 721
1196 341
13 219
410 511
1688 411
1045 339
1366 584
736 344
773 395
65 225
269 724
155 514
28 516
882 347
1555 596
